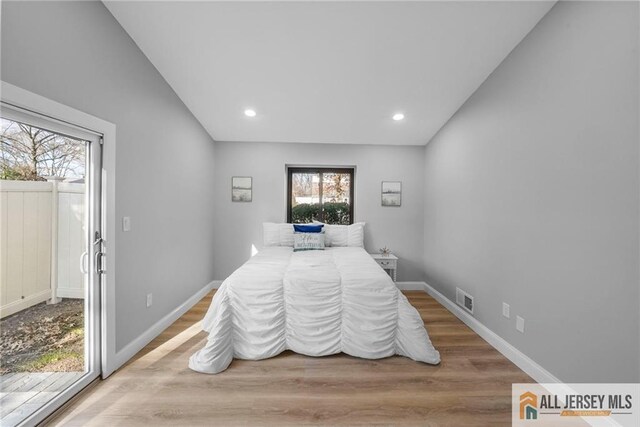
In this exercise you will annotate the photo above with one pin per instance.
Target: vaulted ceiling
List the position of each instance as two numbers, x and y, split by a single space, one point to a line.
328 72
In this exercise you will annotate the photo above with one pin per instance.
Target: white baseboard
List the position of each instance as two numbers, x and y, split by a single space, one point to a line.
521 360
147 336
216 284
411 286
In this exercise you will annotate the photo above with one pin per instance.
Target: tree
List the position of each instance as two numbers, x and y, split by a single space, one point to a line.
303 184
336 186
28 153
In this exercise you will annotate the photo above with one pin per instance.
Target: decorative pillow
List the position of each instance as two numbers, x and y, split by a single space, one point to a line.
308 228
355 235
308 242
344 235
337 234
277 234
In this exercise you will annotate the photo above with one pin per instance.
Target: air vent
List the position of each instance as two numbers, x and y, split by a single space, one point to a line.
464 300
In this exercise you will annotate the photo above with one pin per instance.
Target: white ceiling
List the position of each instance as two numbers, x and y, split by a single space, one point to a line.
331 72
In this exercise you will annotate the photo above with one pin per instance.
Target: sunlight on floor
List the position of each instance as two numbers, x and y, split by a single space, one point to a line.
172 344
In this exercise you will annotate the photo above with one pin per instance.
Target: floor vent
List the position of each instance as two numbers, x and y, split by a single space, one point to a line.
464 300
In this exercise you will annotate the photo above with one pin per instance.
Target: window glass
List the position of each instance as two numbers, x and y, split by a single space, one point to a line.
320 194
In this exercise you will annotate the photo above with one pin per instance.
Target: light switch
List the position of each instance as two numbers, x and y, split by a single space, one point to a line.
506 310
126 223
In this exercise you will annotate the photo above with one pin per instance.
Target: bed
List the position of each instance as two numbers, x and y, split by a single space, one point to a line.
315 303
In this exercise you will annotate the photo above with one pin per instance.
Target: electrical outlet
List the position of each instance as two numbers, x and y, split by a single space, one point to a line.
520 324
149 300
506 310
126 223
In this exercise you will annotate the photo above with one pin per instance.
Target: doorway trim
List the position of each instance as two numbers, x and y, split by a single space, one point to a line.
38 104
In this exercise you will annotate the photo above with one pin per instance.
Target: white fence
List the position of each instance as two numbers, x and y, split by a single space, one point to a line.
41 240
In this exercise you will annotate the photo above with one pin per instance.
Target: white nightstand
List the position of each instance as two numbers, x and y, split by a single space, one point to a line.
388 262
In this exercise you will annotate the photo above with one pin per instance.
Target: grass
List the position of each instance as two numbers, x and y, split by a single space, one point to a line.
67 356
76 332
44 338
47 359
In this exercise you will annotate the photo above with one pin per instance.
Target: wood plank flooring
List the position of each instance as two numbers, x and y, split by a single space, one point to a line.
471 387
22 393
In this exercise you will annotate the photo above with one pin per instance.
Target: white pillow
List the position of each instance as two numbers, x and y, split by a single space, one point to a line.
355 237
338 234
277 234
344 235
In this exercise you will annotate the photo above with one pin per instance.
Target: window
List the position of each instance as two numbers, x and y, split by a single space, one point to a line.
320 194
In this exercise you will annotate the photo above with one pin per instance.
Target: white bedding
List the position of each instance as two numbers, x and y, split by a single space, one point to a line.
315 303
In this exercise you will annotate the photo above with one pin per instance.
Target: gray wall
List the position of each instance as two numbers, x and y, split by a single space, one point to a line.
531 195
239 225
77 54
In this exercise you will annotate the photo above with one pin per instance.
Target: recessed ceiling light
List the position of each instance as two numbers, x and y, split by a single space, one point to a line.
250 113
398 116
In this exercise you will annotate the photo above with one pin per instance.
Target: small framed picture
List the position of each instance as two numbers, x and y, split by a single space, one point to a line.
391 193
241 189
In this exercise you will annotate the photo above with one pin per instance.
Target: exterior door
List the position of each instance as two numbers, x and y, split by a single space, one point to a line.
51 208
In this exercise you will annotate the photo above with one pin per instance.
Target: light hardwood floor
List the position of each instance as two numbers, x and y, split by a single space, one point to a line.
471 387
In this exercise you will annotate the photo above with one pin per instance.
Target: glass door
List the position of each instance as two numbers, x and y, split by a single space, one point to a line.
50 263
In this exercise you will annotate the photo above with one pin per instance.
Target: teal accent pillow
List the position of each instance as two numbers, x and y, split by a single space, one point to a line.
308 241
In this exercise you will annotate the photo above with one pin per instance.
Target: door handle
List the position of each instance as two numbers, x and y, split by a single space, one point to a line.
83 262
99 256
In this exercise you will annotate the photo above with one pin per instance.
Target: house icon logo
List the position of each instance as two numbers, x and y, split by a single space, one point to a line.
528 406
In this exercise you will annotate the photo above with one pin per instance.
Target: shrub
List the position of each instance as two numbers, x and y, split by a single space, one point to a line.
330 213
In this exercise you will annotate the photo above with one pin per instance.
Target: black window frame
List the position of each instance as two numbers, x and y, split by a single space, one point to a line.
321 170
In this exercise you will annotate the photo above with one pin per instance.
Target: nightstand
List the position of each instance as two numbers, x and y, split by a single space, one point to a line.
389 263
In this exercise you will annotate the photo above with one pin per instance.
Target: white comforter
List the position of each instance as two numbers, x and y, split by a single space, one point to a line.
315 303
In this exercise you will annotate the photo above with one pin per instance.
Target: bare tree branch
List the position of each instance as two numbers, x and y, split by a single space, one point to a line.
30 153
